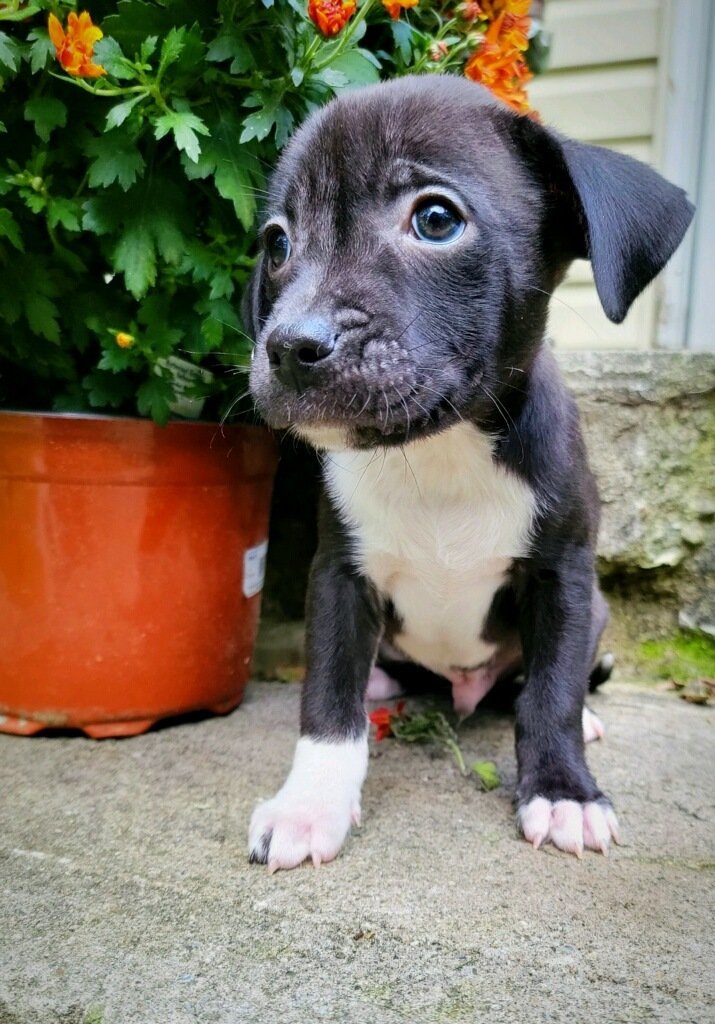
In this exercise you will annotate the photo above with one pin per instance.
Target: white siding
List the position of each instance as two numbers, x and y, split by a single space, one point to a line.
603 87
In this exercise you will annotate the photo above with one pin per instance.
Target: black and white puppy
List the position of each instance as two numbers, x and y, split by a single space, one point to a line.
414 234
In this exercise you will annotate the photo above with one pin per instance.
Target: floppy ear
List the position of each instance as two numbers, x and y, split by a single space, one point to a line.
631 220
251 312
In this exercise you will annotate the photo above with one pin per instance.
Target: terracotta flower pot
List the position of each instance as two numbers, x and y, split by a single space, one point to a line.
131 565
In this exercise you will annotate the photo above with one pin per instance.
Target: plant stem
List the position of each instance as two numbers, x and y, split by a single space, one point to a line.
457 754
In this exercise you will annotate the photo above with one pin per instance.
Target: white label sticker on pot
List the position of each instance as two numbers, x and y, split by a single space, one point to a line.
254 569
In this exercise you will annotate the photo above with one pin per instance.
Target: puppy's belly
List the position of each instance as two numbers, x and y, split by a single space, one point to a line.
441 614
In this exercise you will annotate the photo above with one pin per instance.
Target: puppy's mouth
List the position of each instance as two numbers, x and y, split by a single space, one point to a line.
369 418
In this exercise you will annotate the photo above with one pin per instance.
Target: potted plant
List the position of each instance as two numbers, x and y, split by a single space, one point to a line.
134 144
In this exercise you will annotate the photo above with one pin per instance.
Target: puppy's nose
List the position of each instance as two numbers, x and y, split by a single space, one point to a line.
294 350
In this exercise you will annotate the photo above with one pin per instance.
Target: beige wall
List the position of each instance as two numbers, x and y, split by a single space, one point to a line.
604 85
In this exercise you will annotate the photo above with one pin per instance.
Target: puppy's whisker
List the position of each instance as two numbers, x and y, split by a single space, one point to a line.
364 407
557 298
232 406
387 407
502 383
384 459
374 456
407 414
506 416
409 464
443 398
204 352
406 329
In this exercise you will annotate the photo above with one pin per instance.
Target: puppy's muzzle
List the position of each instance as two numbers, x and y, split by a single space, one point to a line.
296 350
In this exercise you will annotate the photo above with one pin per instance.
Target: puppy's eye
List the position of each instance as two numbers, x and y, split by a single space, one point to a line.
277 246
436 222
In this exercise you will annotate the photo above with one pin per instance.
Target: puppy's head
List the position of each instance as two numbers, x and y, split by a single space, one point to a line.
414 233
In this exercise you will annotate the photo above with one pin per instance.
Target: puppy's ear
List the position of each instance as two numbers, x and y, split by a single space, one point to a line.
634 220
611 209
253 312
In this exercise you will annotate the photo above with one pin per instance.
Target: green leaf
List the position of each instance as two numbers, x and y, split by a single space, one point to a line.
333 77
135 20
171 47
116 159
358 67
222 286
118 360
47 114
258 126
154 316
222 329
147 48
151 221
486 772
236 171
72 399
184 126
154 397
40 50
119 113
65 212
107 389
402 35
10 230
284 126
232 46
108 53
9 52
135 257
30 286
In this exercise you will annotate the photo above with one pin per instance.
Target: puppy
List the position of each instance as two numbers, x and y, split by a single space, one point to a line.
413 236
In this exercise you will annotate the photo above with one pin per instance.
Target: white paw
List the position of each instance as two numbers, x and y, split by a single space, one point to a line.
593 728
311 814
381 686
569 825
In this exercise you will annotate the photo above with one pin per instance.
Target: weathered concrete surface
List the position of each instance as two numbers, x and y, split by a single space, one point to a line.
125 895
649 423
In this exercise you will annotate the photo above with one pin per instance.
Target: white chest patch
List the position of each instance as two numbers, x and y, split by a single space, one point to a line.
435 527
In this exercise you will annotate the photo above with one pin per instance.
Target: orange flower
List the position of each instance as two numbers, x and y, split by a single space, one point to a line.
75 47
497 63
331 16
124 340
394 7
493 8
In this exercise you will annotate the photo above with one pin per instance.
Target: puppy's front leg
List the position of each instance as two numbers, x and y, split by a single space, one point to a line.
311 815
558 799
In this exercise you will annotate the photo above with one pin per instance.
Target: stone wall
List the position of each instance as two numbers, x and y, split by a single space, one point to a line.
649 422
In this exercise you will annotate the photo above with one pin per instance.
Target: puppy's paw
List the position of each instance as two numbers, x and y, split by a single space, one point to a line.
284 833
312 813
569 825
381 686
593 728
